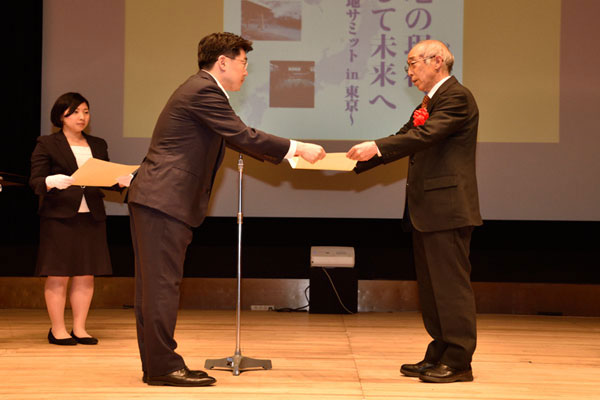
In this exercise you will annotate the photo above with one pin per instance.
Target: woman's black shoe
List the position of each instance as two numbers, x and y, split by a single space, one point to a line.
61 342
84 340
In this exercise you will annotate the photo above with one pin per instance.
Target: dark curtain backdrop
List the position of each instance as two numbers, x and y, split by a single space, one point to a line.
502 251
22 62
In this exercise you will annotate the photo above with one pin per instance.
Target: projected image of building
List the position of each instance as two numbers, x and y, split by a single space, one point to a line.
271 20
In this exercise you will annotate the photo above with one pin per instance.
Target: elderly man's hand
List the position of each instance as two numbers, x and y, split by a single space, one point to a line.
363 151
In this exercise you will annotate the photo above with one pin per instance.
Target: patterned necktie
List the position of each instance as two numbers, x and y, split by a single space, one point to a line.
425 102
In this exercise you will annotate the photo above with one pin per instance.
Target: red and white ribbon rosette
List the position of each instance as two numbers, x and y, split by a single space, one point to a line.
420 116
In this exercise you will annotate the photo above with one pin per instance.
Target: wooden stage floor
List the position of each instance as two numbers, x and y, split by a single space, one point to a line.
316 357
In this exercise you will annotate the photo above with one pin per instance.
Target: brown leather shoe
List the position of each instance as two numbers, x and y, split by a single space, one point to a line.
415 370
198 372
182 377
443 373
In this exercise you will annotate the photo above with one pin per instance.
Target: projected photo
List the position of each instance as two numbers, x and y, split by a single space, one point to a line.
292 84
271 20
357 49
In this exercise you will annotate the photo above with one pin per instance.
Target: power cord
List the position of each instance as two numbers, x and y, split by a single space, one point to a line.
298 309
304 308
335 291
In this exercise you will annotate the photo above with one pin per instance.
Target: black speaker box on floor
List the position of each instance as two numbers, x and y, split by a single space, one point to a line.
323 298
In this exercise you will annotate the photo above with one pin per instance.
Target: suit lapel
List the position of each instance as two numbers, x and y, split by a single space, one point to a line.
93 146
65 151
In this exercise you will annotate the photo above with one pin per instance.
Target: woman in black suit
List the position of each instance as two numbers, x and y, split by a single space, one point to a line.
72 218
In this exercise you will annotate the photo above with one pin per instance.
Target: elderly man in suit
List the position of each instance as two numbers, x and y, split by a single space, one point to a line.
442 207
171 190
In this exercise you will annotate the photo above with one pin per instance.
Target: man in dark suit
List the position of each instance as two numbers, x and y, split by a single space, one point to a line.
442 207
171 190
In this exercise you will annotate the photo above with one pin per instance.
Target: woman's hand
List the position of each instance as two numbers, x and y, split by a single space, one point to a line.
58 181
125 180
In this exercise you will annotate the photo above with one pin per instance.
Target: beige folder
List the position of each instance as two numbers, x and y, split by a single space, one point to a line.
331 162
95 172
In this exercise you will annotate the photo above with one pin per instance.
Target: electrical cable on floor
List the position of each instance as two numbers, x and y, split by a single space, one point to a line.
335 291
298 309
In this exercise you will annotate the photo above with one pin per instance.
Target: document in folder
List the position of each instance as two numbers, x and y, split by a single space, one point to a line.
331 162
102 173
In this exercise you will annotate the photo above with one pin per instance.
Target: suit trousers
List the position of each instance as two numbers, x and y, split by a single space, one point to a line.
447 300
159 244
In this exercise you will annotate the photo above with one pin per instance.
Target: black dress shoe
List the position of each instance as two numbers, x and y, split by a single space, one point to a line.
198 372
182 377
443 373
61 342
416 369
84 340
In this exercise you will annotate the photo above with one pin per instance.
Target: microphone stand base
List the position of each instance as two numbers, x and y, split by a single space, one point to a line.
237 364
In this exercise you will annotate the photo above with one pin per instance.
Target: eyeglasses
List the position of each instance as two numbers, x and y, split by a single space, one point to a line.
409 64
244 62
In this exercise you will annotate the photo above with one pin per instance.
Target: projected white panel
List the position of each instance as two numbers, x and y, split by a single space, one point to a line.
334 70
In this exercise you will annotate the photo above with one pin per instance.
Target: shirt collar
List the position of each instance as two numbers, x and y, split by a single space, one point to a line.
437 86
218 83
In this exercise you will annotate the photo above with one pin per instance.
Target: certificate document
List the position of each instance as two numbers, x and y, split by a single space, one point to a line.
102 173
331 162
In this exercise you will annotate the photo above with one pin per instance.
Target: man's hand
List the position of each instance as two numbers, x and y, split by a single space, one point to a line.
363 151
310 152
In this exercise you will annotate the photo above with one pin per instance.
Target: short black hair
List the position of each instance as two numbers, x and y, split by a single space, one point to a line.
220 43
68 101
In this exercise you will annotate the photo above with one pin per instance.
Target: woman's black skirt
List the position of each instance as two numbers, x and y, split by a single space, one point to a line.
73 246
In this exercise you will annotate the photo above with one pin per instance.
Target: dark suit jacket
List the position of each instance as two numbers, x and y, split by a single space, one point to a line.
52 155
441 188
188 146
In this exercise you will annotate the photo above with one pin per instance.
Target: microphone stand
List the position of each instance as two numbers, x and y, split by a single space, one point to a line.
238 363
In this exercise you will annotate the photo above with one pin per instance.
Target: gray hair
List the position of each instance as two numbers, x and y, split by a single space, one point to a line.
431 48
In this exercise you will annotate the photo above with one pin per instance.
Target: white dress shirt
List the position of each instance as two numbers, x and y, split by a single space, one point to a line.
82 154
